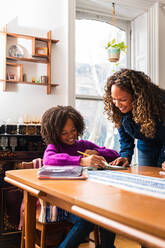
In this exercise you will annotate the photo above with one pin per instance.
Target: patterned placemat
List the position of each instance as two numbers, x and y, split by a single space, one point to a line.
132 182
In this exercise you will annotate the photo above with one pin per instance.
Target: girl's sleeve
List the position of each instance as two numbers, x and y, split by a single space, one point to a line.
108 154
51 157
126 144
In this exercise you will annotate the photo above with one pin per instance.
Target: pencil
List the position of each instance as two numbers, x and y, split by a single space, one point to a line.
83 153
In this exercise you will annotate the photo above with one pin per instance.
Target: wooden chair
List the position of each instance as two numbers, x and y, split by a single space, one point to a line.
52 233
47 234
96 236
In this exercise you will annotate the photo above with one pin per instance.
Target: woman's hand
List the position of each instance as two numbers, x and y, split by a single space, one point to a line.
93 161
163 166
120 161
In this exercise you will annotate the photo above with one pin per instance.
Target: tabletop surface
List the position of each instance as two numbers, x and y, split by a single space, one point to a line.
143 212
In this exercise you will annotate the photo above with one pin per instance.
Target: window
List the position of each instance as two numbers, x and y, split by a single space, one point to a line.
92 71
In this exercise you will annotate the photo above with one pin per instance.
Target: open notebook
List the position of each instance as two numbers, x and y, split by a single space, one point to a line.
108 167
113 167
62 172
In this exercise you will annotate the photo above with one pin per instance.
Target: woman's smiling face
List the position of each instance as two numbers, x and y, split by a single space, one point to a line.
121 99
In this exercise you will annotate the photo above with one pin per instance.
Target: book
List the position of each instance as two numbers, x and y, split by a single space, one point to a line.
108 167
62 172
113 167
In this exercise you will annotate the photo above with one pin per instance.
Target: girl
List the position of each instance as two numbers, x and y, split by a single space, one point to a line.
60 128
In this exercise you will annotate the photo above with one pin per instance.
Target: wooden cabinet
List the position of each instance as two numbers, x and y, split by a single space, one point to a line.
20 143
10 202
20 59
28 147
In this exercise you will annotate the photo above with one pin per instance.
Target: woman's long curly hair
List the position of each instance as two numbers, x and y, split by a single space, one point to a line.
53 122
147 104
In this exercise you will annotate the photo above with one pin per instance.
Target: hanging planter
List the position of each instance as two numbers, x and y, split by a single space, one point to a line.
113 54
114 49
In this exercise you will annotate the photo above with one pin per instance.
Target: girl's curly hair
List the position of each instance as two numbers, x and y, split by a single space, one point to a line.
147 102
54 119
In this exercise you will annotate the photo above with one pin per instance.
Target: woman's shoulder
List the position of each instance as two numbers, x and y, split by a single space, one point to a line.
163 97
127 117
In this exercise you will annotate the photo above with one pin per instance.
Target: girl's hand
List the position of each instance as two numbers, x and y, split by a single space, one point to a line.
120 161
91 152
163 166
92 161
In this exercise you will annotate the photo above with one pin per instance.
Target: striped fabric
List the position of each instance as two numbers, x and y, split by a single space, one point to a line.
51 213
132 182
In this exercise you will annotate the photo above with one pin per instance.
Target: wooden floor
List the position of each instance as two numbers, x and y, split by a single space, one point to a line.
120 242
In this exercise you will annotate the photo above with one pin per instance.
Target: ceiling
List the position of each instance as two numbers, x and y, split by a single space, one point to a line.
125 9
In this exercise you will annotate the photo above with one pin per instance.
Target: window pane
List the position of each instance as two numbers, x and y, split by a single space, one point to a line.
92 70
92 65
91 111
98 129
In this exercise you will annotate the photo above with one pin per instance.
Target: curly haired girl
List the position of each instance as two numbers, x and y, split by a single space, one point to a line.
137 107
60 128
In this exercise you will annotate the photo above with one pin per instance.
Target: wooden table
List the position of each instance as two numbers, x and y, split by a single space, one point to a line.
137 216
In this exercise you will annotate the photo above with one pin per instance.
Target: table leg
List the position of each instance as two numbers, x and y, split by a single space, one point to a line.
30 219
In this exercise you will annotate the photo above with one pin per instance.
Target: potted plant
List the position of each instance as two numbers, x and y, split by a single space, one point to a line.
114 50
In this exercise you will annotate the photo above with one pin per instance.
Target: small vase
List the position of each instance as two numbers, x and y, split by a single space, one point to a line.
113 54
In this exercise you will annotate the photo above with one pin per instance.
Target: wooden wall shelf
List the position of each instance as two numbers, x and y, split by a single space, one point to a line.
30 37
26 82
29 59
40 53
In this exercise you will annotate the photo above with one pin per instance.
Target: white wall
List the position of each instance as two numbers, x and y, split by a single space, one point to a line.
150 27
140 43
156 30
37 17
162 47
153 42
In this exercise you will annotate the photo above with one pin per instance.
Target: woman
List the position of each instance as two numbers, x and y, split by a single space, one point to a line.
137 107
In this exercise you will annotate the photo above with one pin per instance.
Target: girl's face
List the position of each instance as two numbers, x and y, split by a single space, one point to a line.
121 99
69 133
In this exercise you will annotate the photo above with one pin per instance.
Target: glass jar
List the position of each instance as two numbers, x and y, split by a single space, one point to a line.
11 129
22 129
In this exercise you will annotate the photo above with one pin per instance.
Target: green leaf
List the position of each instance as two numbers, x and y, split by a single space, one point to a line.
120 45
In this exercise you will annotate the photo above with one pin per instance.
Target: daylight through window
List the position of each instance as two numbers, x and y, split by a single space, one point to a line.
92 71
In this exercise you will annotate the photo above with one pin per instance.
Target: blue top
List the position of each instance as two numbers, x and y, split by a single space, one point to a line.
129 131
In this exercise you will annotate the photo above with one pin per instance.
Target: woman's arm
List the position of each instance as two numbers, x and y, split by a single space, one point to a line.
162 157
126 144
163 166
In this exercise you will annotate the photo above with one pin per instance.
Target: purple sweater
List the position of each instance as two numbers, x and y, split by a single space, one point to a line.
67 154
